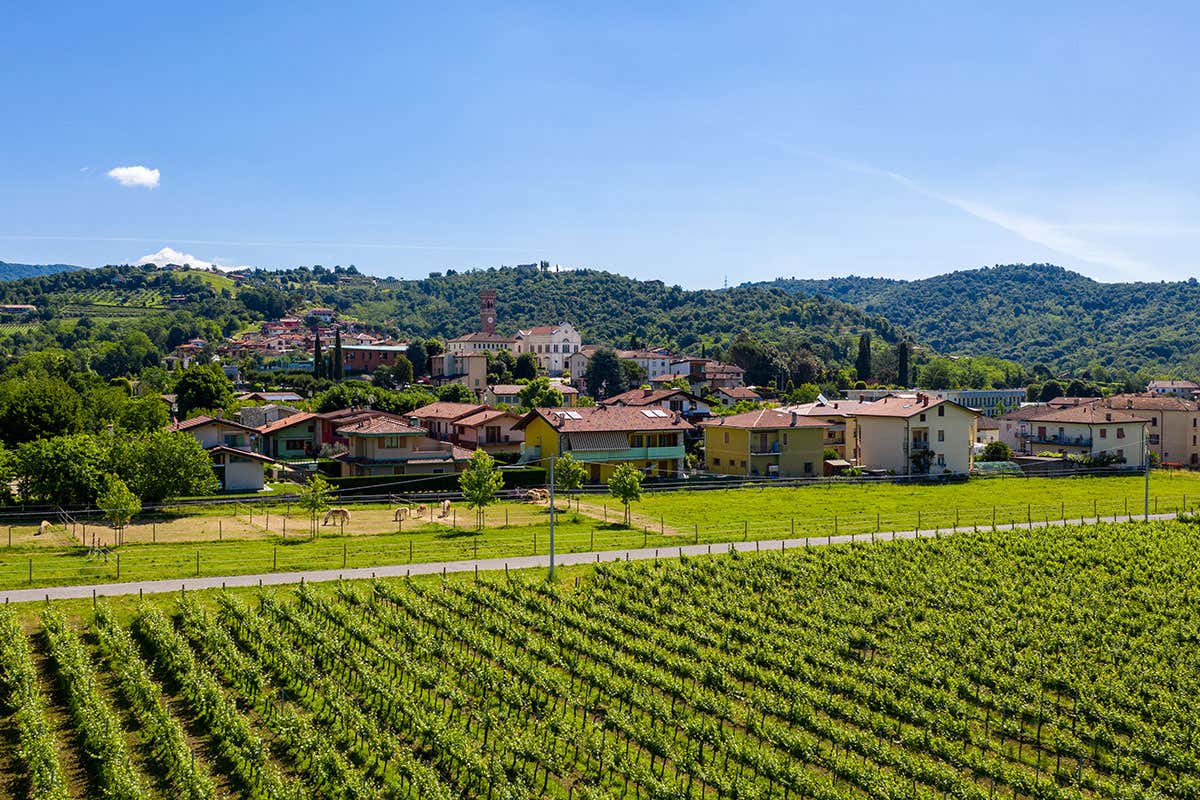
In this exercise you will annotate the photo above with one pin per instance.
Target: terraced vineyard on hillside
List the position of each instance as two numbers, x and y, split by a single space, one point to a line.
1045 664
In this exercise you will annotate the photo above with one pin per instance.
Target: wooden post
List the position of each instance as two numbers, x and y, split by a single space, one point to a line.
31 569
220 534
662 525
118 566
153 532
197 563
745 530
274 558
343 555
410 541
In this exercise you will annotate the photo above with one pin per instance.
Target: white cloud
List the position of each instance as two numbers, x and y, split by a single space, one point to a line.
135 176
169 255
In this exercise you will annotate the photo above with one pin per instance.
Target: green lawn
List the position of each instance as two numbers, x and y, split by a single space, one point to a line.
863 508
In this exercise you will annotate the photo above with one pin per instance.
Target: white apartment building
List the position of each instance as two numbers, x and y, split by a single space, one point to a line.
552 344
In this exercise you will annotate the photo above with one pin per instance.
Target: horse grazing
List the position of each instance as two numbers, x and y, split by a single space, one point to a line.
337 515
44 528
400 515
421 509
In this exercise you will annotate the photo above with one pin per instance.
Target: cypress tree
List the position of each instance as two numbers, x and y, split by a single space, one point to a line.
318 363
339 368
862 364
902 364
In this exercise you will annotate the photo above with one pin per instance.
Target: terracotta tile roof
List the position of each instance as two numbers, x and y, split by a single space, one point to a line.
765 419
506 388
380 426
237 451
479 336
607 418
1088 415
484 417
1065 402
204 419
740 393
647 397
1174 385
287 422
834 408
904 407
1026 412
447 411
985 423
1149 402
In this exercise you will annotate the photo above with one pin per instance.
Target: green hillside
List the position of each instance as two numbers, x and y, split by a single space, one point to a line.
13 272
1035 313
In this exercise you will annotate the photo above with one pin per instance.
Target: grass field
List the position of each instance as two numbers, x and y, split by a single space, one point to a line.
1026 664
261 538
858 508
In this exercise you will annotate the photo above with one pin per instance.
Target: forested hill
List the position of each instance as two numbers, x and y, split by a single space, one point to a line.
612 308
13 272
1035 313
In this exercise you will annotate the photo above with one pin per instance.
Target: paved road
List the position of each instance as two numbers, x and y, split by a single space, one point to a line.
499 564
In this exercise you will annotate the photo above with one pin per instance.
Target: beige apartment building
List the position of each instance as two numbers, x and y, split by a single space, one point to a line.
891 430
1173 431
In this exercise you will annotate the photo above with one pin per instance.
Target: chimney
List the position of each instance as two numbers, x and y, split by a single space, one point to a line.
1108 417
925 400
793 419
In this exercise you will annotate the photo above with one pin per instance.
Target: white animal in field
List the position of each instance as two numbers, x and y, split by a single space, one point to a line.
445 508
337 516
44 528
537 495
400 515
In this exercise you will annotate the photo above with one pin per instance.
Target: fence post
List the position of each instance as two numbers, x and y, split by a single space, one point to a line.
220 535
592 539
662 525
118 566
197 563
697 534
835 525
343 555
410 541
274 558
1095 512
31 569
10 535
918 520
993 519
153 532
535 541
745 530
645 535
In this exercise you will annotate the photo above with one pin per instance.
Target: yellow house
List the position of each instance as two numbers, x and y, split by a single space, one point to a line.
604 436
765 442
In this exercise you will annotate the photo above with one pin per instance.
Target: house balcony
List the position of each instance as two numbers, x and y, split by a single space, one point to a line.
772 449
915 446
1049 438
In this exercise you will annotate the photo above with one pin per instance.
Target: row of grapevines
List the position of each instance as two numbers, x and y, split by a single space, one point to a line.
19 679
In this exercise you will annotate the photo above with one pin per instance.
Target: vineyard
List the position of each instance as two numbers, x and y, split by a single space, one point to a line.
1058 663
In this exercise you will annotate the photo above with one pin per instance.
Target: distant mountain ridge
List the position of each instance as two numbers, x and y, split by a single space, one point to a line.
1034 313
15 272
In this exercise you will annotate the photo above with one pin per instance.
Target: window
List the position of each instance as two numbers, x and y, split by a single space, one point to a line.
941 460
1154 422
1121 454
716 462
1154 438
941 411
941 436
726 437
785 439
743 463
391 442
637 441
922 416
1104 433
293 444
1120 433
808 468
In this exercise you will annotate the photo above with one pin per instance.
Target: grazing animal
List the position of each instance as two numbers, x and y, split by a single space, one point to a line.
537 495
421 509
445 508
400 515
44 528
337 515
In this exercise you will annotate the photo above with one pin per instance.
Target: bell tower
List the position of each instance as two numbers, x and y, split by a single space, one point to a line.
487 310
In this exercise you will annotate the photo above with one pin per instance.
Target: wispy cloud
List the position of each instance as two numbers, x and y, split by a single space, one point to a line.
1061 238
169 255
135 176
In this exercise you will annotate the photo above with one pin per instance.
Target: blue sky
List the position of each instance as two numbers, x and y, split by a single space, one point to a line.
686 142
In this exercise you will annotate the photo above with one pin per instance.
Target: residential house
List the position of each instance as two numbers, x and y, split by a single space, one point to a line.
552 344
239 470
509 394
987 430
438 419
384 445
691 406
257 416
490 429
231 446
291 438
322 315
732 395
841 435
1186 389
480 342
469 369
1174 430
653 362
765 442
215 431
602 437
1086 429
366 358
269 397
706 373
577 365
892 430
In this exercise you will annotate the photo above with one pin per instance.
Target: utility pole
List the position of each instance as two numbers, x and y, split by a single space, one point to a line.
552 517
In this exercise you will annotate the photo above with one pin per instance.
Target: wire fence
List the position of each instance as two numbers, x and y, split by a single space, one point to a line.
346 549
